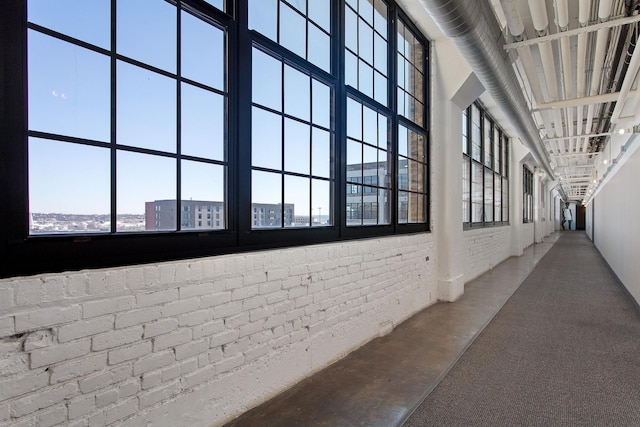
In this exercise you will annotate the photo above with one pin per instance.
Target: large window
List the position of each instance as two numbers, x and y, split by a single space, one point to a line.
527 195
139 131
485 186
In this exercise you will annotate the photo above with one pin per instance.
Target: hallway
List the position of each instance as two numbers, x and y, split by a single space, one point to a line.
560 351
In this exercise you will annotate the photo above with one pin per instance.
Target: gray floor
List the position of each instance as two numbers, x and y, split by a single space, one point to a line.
383 382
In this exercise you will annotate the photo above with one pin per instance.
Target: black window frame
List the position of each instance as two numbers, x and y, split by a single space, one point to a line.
23 254
499 167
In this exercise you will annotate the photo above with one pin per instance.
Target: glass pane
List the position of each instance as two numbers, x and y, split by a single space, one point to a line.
370 126
505 199
69 89
488 195
203 201
416 176
354 159
142 182
351 69
465 189
401 73
365 78
365 10
203 123
497 197
320 48
380 88
365 41
321 156
403 173
216 3
69 188
380 47
380 17
351 30
402 140
354 205
321 202
146 109
301 5
297 196
383 137
267 81
266 199
296 146
476 193
417 147
369 157
354 119
297 97
263 17
403 207
202 53
384 206
147 32
320 13
321 104
293 30
266 139
89 21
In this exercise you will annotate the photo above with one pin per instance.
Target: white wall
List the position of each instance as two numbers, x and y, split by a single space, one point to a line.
484 248
615 219
213 337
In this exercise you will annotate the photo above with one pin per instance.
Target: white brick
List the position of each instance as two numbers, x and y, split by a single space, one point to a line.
251 328
81 406
226 310
197 377
38 339
160 327
137 317
115 281
50 355
129 353
78 368
260 313
207 329
229 364
107 306
4 411
153 362
116 338
85 328
97 283
6 298
234 322
52 417
196 290
195 318
134 278
53 289
7 327
277 274
236 347
167 273
252 279
191 349
106 398
128 388
46 317
28 292
44 398
158 395
76 286
180 307
223 338
157 298
256 352
215 299
22 385
181 336
153 379
122 410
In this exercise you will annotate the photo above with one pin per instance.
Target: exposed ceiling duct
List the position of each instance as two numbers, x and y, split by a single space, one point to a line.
475 30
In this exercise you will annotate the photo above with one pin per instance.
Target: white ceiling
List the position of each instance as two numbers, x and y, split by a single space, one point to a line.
575 63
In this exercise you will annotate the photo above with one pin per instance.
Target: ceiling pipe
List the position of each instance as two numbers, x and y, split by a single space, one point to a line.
514 20
473 27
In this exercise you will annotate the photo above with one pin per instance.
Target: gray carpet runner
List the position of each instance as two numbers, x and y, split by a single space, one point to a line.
563 351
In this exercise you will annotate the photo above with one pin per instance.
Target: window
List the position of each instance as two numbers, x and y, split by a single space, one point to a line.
527 195
485 187
142 115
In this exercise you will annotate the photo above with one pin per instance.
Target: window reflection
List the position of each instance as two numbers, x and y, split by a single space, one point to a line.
411 78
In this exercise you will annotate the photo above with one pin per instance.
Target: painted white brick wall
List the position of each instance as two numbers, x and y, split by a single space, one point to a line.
198 342
485 248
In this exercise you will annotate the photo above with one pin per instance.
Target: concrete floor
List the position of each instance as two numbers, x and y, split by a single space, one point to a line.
382 383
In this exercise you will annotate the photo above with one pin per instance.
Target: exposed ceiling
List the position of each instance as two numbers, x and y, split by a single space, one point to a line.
577 66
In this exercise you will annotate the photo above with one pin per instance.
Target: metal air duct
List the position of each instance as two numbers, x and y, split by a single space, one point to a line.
474 29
